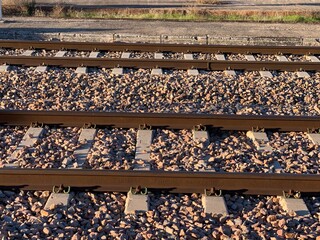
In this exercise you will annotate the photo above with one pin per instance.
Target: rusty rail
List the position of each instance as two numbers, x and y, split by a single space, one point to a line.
176 182
163 120
93 46
161 63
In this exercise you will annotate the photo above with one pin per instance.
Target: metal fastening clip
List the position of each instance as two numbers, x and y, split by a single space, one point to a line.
61 189
144 127
199 128
139 190
89 125
213 191
292 194
36 124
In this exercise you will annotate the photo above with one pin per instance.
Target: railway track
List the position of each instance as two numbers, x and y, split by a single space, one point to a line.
173 153
185 63
185 182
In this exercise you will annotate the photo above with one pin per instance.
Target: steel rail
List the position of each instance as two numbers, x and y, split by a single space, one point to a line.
151 47
176 182
163 120
161 63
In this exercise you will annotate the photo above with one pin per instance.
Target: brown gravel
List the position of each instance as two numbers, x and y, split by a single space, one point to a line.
100 216
138 91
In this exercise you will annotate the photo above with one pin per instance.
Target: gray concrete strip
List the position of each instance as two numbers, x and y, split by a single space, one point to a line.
81 70
313 58
266 74
260 139
28 53
31 137
229 73
94 54
297 206
282 58
188 56
250 57
4 68
41 69
28 140
156 71
314 137
136 203
193 72
158 55
60 54
303 74
220 57
117 71
201 139
125 55
85 140
144 141
57 199
214 205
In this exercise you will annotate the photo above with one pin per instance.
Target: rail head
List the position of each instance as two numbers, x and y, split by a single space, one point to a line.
120 46
175 182
160 120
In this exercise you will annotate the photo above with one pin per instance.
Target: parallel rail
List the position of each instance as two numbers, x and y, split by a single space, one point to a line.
181 182
175 182
150 47
161 63
162 120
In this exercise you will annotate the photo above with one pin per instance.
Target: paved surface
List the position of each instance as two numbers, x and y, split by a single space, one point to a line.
223 4
48 25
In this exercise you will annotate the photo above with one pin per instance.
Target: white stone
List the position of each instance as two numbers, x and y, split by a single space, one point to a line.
214 205
136 203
